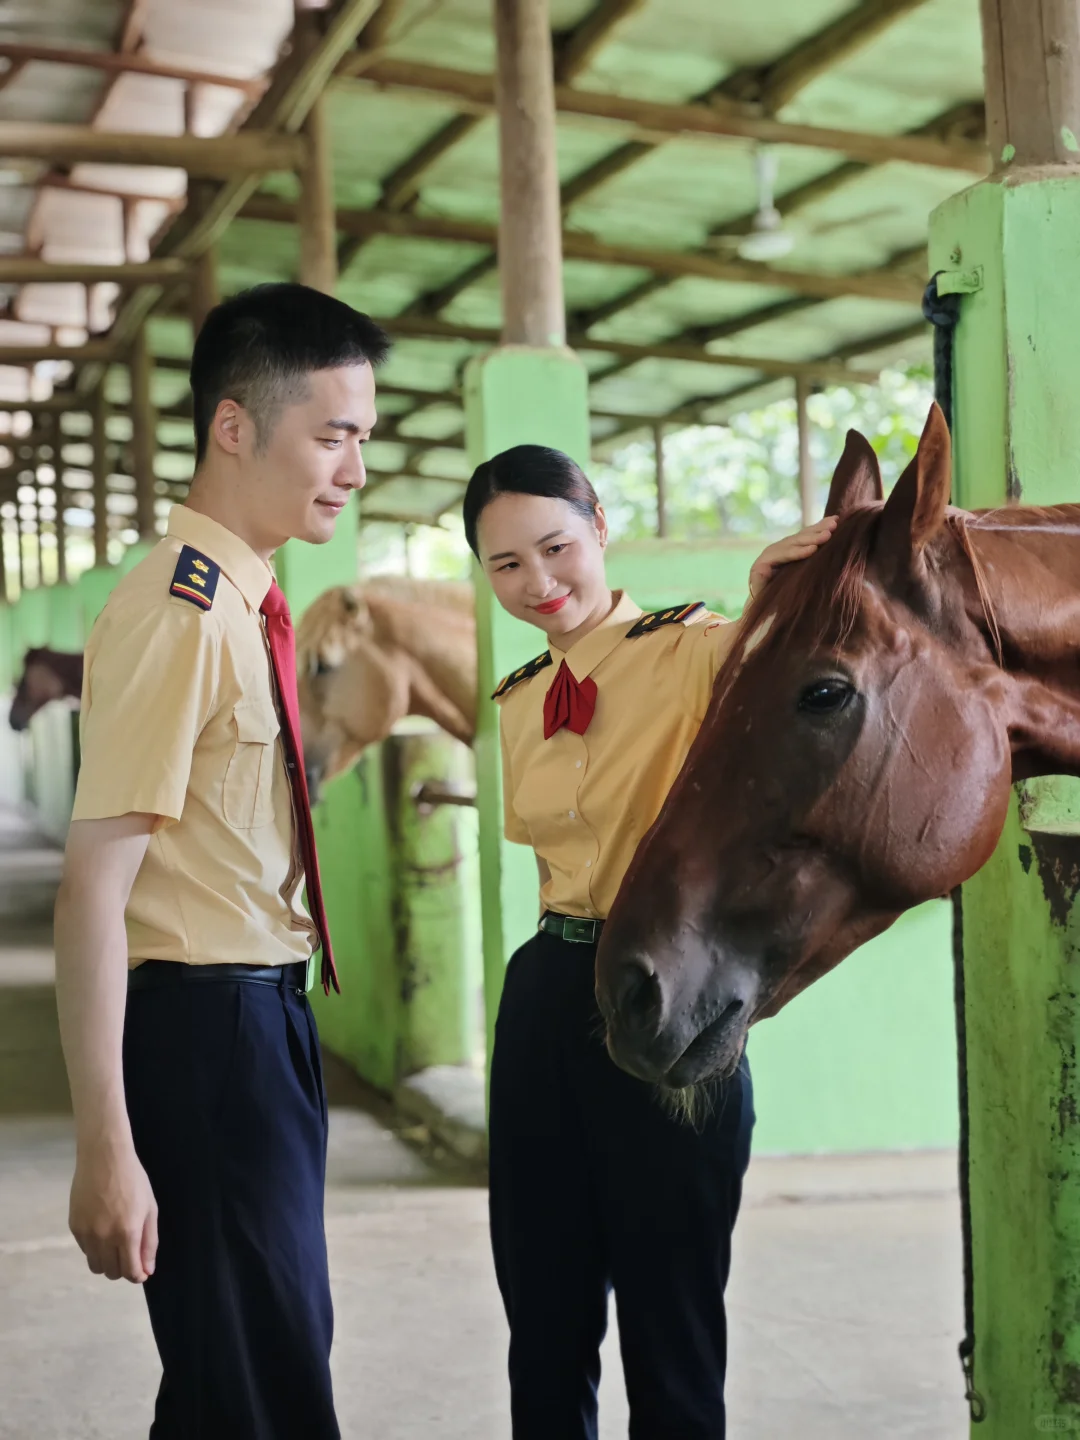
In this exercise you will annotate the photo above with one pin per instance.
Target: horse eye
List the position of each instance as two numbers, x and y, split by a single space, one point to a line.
826 697
318 666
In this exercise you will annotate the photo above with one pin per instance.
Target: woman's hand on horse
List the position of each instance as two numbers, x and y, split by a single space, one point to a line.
792 547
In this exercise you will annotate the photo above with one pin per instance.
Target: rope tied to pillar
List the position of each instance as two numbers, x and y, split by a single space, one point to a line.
943 312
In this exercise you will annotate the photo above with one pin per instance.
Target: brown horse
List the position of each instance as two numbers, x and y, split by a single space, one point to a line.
368 655
856 758
47 675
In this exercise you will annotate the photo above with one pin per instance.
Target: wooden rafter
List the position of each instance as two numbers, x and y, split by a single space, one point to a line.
774 85
216 156
576 50
27 270
113 63
706 122
877 285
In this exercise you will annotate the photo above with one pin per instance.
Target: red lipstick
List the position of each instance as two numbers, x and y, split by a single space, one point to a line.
551 607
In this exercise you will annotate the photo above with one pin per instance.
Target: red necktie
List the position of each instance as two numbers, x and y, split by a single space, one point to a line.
279 632
569 702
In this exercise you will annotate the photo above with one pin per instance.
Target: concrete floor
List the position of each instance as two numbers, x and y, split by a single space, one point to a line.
844 1302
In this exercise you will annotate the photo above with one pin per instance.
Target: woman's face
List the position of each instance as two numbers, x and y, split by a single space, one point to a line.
545 561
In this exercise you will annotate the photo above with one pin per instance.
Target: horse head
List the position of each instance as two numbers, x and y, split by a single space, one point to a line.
47 675
350 691
855 761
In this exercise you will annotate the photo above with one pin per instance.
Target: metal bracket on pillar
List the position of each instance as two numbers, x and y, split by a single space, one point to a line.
960 282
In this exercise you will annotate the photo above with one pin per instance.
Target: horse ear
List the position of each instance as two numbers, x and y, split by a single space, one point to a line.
856 479
350 599
915 511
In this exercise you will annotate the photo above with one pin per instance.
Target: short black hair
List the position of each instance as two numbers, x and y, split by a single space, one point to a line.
527 470
259 346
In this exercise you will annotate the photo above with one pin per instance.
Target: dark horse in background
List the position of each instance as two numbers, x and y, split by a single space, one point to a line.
47 675
856 759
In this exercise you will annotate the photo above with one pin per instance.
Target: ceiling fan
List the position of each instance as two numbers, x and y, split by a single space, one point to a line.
770 237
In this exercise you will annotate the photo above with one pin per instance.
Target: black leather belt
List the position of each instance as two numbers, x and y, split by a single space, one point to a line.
153 973
571 927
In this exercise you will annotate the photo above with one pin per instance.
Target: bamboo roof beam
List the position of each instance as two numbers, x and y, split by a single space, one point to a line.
877 285
248 152
119 64
576 50
776 84
652 120
768 365
28 270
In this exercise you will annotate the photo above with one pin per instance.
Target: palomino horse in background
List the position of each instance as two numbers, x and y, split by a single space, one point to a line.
47 675
368 655
856 758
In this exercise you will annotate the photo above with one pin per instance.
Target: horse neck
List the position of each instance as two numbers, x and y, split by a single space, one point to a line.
1029 560
441 642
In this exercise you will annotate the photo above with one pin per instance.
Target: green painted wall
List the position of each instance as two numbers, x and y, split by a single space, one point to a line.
1017 432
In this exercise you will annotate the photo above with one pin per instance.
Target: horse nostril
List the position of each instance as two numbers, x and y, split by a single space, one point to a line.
637 997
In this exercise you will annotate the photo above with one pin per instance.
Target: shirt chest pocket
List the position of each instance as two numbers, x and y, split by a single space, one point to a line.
249 778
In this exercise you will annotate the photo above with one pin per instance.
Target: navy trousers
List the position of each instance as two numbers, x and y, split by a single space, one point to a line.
595 1185
225 1094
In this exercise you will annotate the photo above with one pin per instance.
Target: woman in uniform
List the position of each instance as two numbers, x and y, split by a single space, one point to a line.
595 1183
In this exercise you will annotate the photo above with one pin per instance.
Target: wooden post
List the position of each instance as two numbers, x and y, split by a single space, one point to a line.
101 477
1031 54
807 488
530 223
59 525
203 293
661 482
318 226
144 425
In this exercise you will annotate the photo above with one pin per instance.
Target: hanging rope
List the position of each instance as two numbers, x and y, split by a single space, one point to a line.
943 312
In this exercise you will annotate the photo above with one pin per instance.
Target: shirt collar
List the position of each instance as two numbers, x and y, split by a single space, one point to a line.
251 576
584 656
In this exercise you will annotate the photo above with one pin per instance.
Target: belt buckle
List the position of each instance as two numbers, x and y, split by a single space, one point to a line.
581 932
309 974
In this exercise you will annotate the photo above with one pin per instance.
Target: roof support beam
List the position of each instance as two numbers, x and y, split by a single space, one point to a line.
575 51
876 285
650 120
214 156
26 270
774 85
824 371
114 64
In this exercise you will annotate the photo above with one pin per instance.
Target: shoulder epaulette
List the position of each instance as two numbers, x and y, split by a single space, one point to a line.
525 673
677 615
195 578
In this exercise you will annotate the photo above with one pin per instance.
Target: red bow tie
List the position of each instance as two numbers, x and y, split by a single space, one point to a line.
569 702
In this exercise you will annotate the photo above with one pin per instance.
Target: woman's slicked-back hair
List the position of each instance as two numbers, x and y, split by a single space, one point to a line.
527 470
259 347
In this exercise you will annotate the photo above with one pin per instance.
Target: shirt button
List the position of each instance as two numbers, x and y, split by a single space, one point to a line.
577 766
588 864
572 815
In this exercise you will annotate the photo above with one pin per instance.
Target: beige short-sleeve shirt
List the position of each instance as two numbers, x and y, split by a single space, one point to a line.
584 802
179 721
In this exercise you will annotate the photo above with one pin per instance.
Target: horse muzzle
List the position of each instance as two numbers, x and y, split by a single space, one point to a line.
668 1036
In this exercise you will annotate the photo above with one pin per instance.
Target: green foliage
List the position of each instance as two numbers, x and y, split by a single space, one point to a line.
734 479
742 478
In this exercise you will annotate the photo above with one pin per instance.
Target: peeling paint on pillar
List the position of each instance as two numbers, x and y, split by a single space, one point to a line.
1017 434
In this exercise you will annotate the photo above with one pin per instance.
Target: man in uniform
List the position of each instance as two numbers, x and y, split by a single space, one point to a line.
182 945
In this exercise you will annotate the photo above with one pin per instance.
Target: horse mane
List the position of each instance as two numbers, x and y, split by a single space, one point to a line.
823 595
335 621
444 594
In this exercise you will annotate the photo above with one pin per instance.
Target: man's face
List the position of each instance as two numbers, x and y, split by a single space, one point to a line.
310 463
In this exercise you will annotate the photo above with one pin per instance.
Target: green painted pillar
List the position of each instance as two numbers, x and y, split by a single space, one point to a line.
439 979
515 396
1011 244
305 571
65 619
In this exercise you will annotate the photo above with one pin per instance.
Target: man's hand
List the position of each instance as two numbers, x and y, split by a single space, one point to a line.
113 1213
792 547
